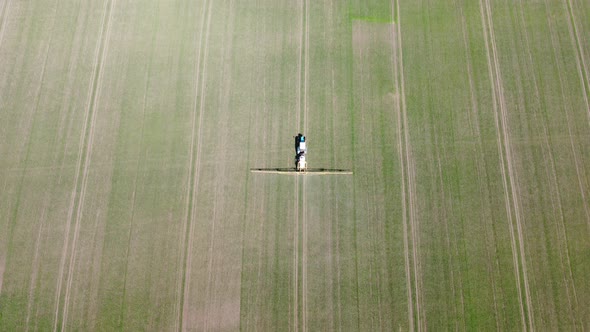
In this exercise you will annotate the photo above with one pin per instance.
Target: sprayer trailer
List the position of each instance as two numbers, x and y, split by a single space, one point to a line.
301 164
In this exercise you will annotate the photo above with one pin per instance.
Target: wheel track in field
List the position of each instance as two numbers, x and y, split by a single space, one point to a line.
396 69
476 126
494 85
563 96
304 198
43 219
300 197
223 99
88 155
84 153
562 238
296 189
193 177
562 228
512 175
584 77
296 258
34 273
137 166
26 143
337 235
580 56
452 249
333 306
510 181
409 207
4 252
3 18
62 130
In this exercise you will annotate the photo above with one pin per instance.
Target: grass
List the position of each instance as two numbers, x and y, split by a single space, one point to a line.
128 131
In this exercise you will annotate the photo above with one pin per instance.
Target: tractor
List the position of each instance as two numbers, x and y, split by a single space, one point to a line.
300 150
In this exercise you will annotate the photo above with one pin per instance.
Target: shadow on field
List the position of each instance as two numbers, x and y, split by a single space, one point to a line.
308 171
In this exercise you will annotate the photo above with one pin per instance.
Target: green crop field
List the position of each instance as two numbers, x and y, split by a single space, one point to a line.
128 130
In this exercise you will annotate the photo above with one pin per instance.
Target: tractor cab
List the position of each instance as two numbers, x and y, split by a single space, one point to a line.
300 144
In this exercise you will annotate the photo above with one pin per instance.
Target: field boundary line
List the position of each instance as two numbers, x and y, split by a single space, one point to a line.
199 103
87 158
84 145
408 193
580 59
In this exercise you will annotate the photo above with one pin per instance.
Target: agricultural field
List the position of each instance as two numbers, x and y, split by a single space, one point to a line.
128 129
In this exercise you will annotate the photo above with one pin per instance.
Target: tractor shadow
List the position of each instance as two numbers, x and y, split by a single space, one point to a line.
294 170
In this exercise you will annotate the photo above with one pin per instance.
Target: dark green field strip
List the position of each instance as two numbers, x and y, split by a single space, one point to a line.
552 165
374 11
464 235
530 83
383 281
